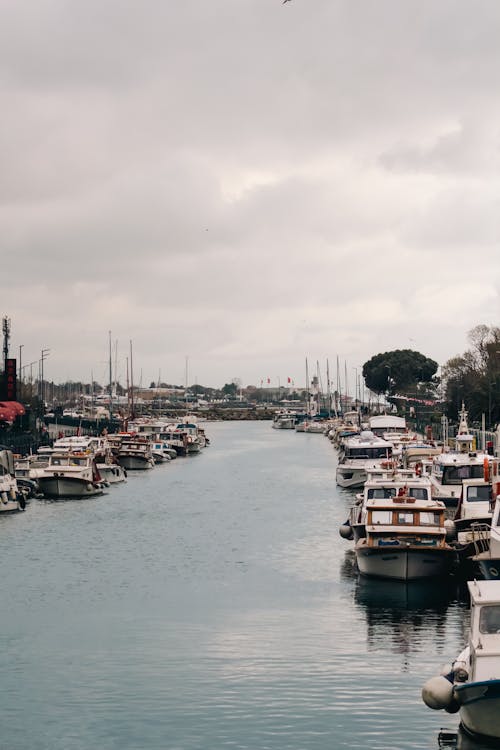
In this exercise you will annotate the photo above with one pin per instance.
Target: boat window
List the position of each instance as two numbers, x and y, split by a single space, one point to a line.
381 493
429 518
489 619
456 474
476 494
419 493
405 518
382 516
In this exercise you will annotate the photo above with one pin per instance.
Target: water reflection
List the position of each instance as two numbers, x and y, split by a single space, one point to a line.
406 617
460 740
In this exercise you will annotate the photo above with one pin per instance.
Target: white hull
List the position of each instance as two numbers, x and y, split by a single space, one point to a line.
112 473
350 476
68 487
135 462
11 506
402 564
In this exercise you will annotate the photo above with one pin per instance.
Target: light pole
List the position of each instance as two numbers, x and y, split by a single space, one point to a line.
45 354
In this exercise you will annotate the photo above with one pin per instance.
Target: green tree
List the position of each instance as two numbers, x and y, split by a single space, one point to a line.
474 376
398 371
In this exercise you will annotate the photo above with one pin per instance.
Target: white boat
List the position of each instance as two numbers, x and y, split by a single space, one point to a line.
405 538
12 499
486 560
382 485
284 420
111 473
449 469
71 475
360 454
135 453
472 684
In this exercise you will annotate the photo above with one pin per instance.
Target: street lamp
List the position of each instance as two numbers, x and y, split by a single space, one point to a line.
45 354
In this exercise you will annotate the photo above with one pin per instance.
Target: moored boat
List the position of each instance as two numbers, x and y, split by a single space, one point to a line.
405 539
471 685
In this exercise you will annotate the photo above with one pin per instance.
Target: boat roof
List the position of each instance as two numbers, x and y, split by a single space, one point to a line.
383 421
367 437
484 592
404 502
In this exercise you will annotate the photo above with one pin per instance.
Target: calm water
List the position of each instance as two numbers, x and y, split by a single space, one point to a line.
210 603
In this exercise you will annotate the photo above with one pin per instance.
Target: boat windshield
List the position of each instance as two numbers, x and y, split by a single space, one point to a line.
456 474
489 619
429 518
479 493
379 452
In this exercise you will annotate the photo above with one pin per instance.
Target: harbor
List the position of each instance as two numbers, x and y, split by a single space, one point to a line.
210 602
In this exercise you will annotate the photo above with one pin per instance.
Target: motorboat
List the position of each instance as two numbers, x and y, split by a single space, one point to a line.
405 538
284 420
72 475
450 468
471 684
12 498
486 559
360 454
382 485
134 453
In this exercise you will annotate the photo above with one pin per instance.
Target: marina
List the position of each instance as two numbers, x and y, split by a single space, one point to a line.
210 603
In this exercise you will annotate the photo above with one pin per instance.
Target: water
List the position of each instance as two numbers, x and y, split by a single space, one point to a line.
210 603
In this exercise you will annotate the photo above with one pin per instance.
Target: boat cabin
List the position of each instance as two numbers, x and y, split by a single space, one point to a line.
484 630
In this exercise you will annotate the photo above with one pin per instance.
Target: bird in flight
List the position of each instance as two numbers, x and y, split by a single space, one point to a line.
285 1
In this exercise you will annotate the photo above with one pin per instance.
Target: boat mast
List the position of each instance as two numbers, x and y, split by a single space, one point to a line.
132 414
308 405
110 380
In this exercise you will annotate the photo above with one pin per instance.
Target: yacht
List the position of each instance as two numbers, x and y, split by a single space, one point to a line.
471 685
405 538
359 454
72 475
134 453
12 498
449 469
384 484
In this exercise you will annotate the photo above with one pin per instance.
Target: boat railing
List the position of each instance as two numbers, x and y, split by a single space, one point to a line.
480 537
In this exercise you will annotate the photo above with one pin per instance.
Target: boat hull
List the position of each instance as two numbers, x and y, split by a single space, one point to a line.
68 487
350 477
135 462
403 564
489 569
480 707
112 473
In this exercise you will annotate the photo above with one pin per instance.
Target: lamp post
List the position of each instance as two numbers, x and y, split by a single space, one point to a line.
45 354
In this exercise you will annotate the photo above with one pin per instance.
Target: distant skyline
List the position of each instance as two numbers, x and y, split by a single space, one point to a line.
247 183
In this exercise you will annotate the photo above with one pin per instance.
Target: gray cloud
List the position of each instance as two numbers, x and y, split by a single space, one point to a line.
247 183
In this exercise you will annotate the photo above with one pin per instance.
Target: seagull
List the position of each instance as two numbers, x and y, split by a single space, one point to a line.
285 1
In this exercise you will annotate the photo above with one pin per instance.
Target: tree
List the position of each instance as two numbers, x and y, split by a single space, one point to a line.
230 390
474 376
400 370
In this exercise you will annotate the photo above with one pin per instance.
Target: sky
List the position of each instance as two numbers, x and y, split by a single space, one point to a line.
236 185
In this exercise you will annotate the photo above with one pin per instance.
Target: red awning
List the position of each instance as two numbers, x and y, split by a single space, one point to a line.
13 406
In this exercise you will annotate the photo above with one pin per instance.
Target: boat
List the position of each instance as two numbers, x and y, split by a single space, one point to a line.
471 684
284 420
134 453
383 484
359 454
449 468
12 498
405 538
486 560
72 475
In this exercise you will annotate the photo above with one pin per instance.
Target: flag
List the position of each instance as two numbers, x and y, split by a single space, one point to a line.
268 380
289 380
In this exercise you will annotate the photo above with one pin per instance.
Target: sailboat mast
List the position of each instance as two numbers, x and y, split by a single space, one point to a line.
131 384
110 380
308 405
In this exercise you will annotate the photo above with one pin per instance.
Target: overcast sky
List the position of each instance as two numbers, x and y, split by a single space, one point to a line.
247 183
